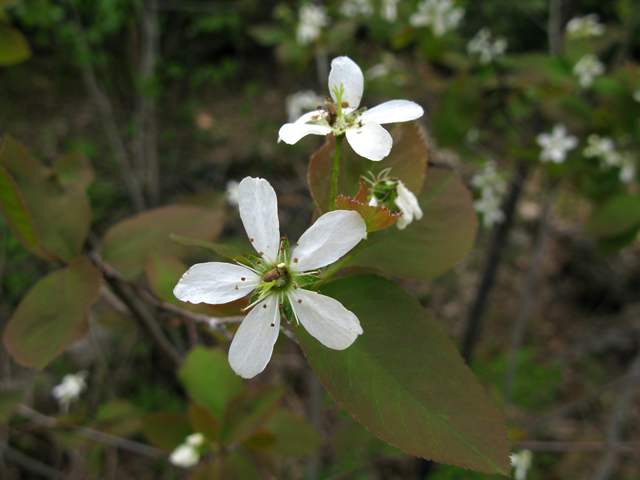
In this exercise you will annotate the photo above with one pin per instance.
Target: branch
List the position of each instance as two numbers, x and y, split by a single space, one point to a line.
30 464
554 27
622 447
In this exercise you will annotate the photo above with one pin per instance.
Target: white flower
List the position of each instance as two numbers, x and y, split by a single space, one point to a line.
231 194
389 10
492 186
584 27
312 19
187 455
363 129
556 145
604 149
351 8
587 68
69 389
408 204
521 462
627 168
440 15
481 44
328 239
636 96
300 102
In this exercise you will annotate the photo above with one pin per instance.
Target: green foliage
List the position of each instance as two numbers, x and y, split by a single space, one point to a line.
13 45
166 430
404 378
294 436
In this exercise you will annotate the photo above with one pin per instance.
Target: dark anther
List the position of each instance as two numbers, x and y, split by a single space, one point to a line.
299 300
295 260
251 240
264 305
242 278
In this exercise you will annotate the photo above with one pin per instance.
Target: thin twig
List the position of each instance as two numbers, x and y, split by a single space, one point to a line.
520 322
30 464
620 447
93 435
554 27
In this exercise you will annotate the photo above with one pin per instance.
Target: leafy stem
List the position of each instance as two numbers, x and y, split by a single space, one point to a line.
336 165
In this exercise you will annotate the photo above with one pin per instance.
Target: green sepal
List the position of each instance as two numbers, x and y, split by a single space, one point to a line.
306 280
286 309
257 263
284 256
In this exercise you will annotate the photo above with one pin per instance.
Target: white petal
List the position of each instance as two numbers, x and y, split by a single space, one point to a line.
292 132
325 319
333 235
346 72
253 343
215 283
393 111
258 206
370 141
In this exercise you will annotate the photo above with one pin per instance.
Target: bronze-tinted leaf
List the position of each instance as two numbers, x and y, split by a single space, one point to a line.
166 430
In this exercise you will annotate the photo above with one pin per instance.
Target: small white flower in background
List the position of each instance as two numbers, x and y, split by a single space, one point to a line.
389 10
585 27
408 204
300 102
312 19
69 389
351 8
231 194
636 96
521 462
362 128
604 149
440 15
377 71
556 145
277 278
482 45
627 168
492 186
587 68
187 455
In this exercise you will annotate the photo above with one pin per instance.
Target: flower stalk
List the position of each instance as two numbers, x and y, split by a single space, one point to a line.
336 167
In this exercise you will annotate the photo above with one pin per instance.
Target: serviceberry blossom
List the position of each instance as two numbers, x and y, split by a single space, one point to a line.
362 127
627 168
604 149
391 191
352 8
69 390
491 185
312 19
587 68
636 96
440 15
556 145
584 27
300 102
277 278
231 194
389 10
187 455
408 204
521 462
488 50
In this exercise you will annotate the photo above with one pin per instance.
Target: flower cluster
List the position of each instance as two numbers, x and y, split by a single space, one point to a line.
440 15
187 455
556 145
604 149
584 27
300 102
312 19
69 389
353 8
491 185
276 278
231 193
362 127
587 68
390 191
488 50
521 462
389 10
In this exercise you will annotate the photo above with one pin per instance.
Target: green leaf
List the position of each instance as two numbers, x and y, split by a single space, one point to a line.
406 382
166 430
75 168
208 378
203 421
236 466
54 315
61 212
616 217
15 211
458 111
14 47
127 243
296 438
10 398
430 246
408 160
247 413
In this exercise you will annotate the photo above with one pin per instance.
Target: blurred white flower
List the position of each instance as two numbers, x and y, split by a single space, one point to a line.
556 145
408 204
636 96
584 27
587 68
187 455
300 102
627 168
521 462
377 71
351 8
492 186
440 15
231 193
604 149
312 19
488 50
69 389
389 10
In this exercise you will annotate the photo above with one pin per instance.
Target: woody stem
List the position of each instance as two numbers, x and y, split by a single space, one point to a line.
336 165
